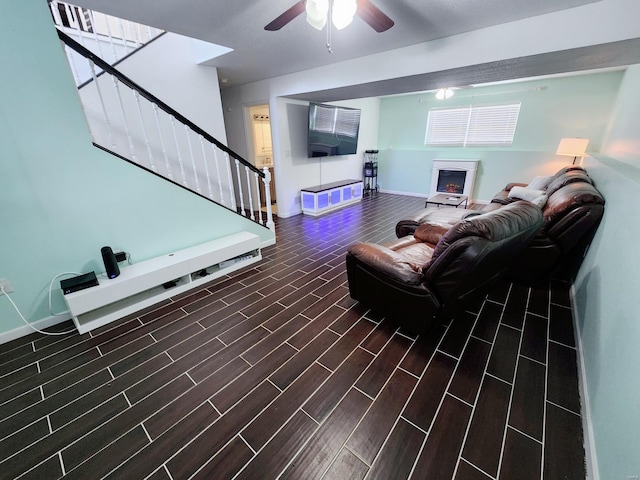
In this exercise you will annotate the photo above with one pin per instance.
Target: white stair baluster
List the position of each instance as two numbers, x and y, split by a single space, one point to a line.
72 63
239 178
82 19
230 182
162 144
193 160
218 177
105 116
267 194
144 132
96 37
139 37
246 171
259 197
111 42
206 166
124 37
175 139
74 21
150 34
57 19
134 157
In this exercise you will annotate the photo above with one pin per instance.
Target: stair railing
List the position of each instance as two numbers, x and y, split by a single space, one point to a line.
127 120
111 38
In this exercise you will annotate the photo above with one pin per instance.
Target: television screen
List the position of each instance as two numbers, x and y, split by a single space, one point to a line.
333 130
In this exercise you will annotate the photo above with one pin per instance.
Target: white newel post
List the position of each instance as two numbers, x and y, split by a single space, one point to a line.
267 195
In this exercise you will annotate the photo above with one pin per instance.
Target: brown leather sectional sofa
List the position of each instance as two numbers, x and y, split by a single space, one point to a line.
572 213
430 275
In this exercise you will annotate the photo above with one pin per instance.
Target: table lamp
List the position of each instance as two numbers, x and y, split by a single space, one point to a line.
573 147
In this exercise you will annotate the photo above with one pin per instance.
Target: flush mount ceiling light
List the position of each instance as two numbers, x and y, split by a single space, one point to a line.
444 93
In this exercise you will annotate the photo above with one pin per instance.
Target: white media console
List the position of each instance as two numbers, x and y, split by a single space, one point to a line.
142 284
330 196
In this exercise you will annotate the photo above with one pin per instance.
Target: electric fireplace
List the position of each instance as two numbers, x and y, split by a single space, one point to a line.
453 176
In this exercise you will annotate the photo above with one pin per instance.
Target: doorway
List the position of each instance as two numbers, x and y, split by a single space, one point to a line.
263 150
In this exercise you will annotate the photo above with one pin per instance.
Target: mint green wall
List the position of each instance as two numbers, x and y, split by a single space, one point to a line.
62 199
578 106
606 294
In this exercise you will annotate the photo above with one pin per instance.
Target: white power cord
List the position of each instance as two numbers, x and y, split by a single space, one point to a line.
25 320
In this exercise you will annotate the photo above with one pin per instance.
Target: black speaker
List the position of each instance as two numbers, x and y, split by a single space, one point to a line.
110 262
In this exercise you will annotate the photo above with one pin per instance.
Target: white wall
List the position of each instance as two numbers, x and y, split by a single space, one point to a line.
622 141
606 294
176 79
294 170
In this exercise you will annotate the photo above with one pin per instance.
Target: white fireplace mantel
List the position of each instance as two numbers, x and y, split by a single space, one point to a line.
468 166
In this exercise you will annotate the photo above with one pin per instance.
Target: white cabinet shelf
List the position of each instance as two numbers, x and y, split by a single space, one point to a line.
145 283
330 196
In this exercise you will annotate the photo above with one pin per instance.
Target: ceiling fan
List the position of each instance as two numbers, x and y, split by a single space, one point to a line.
341 11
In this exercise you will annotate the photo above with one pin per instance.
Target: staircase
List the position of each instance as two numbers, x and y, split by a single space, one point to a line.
128 121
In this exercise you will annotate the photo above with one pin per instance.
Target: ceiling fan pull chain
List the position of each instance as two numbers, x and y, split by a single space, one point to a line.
329 27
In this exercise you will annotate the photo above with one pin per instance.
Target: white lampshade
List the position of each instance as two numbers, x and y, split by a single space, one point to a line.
317 13
343 12
572 147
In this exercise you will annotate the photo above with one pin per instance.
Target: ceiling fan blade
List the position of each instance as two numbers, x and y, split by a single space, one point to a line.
375 17
286 17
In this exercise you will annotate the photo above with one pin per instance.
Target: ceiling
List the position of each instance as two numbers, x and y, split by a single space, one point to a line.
258 54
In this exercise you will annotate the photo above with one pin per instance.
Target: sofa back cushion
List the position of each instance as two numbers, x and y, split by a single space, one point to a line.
473 253
567 199
572 176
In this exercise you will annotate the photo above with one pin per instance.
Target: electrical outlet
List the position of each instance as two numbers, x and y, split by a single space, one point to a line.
4 283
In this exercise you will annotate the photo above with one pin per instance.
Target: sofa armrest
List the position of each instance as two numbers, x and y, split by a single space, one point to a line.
386 261
514 184
443 217
431 232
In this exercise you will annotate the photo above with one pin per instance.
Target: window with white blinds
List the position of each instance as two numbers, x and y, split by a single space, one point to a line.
472 125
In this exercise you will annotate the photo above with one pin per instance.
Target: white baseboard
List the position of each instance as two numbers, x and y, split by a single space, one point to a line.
426 195
39 324
406 194
591 458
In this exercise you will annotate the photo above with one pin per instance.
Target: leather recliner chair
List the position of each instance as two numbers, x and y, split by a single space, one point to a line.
428 276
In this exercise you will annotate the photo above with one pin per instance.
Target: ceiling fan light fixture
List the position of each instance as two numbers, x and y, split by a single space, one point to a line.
444 93
343 12
317 11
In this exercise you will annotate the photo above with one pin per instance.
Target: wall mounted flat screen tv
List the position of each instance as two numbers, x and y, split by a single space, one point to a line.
333 130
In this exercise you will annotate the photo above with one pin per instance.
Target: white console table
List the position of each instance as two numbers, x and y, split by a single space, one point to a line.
142 284
330 196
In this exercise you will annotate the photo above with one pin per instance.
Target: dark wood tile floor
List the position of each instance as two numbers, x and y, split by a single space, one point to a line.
275 372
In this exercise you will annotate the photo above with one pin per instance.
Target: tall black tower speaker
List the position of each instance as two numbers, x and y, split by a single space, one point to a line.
110 263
